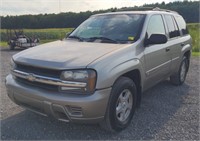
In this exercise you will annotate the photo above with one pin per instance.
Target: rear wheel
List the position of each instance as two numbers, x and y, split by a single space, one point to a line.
179 78
121 105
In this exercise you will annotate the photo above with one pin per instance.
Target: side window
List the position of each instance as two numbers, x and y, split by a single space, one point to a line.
182 25
176 27
171 26
155 26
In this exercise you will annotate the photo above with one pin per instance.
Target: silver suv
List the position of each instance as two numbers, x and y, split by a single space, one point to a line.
97 74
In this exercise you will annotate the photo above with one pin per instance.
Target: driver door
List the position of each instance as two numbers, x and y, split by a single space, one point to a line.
157 56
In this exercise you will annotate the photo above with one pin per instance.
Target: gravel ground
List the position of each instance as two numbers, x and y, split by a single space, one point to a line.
167 112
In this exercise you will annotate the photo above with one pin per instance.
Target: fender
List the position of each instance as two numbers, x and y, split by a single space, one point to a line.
108 78
186 48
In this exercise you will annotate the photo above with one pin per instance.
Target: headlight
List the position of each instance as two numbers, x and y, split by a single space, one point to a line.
80 76
75 75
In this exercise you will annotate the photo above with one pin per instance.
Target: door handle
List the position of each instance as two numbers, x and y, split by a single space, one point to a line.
167 49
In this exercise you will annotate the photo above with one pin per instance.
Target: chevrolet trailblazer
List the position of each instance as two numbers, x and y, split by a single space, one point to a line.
99 71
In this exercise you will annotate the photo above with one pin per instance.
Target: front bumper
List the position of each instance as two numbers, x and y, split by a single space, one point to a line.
62 106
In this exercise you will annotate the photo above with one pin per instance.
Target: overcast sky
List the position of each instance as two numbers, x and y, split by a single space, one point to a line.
21 7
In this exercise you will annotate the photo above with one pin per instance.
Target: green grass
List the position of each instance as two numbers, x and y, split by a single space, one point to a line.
3 44
196 54
194 30
42 34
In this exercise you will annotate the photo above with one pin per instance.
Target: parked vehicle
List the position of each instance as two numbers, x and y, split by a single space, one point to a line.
21 40
99 72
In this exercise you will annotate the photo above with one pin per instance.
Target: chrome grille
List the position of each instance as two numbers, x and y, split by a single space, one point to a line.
38 70
38 85
38 77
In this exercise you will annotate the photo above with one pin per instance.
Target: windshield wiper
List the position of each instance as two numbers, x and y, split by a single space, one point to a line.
103 39
76 37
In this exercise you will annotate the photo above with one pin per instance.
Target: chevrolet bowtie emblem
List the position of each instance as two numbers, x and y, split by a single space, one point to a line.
31 77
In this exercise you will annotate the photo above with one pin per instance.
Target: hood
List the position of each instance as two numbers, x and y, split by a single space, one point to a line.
67 54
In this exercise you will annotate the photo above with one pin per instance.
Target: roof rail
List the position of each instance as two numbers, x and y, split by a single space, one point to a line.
141 8
166 10
144 8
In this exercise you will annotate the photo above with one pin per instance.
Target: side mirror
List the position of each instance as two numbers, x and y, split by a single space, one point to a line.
156 39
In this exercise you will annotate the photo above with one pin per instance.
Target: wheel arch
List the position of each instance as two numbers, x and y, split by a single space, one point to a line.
187 54
186 51
135 76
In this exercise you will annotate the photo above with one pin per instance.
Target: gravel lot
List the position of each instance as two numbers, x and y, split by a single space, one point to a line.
167 112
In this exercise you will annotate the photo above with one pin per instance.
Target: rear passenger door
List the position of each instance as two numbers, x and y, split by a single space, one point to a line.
174 41
157 56
182 42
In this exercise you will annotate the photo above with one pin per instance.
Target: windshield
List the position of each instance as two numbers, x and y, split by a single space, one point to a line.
115 28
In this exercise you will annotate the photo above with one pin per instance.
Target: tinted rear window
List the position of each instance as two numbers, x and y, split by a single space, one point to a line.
182 25
173 30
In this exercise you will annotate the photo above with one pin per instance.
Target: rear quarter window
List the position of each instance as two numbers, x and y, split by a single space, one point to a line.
172 27
182 25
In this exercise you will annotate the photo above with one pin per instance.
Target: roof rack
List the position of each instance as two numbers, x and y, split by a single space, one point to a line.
166 10
142 8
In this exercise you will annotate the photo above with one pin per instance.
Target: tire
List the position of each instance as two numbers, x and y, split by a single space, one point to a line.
121 106
179 77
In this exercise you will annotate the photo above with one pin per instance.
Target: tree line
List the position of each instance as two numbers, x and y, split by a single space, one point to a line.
188 9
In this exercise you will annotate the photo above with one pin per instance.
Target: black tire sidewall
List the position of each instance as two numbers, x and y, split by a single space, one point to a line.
122 84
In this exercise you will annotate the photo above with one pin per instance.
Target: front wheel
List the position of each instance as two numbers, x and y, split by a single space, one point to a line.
179 78
121 106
